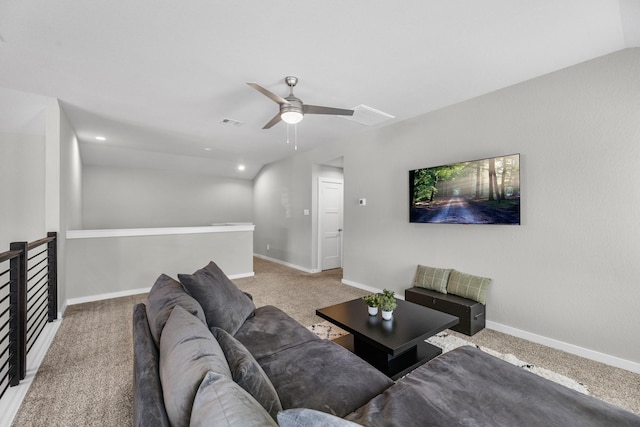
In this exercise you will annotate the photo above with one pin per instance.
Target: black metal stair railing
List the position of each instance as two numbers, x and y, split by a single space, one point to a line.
8 320
28 300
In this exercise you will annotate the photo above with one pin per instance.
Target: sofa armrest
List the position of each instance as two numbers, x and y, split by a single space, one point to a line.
148 401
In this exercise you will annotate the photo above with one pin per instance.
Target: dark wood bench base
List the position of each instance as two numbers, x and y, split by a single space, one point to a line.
472 314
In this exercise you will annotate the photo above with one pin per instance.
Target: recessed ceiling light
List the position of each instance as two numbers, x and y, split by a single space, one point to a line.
208 149
101 138
241 167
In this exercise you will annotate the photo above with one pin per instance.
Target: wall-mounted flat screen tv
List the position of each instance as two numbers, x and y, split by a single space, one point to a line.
477 192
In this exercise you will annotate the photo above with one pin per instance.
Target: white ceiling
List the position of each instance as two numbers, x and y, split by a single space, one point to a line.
156 77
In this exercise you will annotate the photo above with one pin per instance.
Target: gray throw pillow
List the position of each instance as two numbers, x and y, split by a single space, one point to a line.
225 306
247 373
468 286
187 352
221 402
432 278
299 417
165 294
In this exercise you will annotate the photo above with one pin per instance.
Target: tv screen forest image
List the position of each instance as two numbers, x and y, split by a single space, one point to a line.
478 192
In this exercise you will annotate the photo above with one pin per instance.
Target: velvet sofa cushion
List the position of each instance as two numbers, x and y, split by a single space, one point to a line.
467 386
221 402
225 306
165 294
147 400
303 417
324 376
270 331
247 373
468 286
432 278
187 352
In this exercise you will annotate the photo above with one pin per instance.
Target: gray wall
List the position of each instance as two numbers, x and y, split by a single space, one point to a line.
282 191
42 186
70 175
63 187
569 272
22 166
142 198
22 173
110 265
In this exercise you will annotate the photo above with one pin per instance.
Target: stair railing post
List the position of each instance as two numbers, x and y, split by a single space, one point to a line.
18 301
52 260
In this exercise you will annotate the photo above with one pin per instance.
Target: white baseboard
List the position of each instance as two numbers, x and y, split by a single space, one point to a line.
13 397
99 297
109 295
241 275
361 286
569 348
62 310
367 288
286 264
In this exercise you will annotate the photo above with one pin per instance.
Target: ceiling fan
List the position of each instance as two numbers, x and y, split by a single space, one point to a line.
292 110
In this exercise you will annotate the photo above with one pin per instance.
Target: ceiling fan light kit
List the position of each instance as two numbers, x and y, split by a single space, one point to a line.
290 115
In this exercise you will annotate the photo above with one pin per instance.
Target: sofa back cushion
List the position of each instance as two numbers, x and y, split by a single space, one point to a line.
432 278
187 352
165 294
225 306
247 373
221 402
468 286
148 405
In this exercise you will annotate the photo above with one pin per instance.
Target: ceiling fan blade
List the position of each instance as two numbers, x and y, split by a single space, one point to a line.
273 121
275 98
316 109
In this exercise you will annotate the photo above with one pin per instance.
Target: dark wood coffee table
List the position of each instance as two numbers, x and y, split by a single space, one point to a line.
395 346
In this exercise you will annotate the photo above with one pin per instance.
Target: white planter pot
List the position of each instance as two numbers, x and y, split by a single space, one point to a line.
373 311
386 315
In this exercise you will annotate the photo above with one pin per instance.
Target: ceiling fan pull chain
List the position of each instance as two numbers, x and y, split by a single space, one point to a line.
295 136
287 133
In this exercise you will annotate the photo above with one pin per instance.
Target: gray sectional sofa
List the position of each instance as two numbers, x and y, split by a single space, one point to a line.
204 355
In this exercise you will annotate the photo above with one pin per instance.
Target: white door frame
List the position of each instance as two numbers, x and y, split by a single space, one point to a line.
319 218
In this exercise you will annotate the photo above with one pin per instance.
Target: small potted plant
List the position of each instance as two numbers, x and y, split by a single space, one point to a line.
387 304
373 301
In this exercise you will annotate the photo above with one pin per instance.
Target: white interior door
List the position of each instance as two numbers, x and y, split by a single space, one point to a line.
330 223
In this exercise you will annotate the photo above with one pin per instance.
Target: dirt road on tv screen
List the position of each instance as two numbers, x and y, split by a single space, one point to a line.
461 210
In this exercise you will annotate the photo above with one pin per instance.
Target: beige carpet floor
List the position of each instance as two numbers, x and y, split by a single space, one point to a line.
86 377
